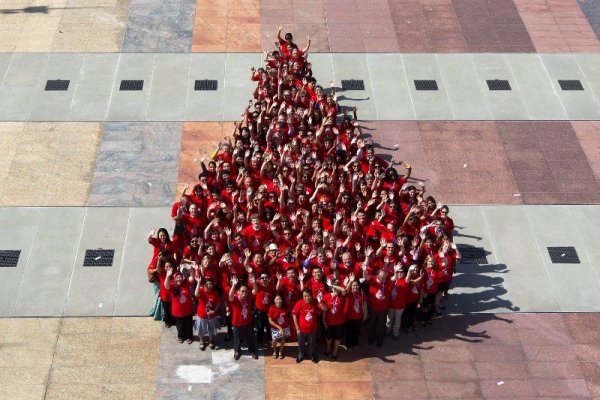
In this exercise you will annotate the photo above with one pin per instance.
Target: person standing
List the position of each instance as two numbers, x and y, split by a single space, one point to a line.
241 319
182 304
306 320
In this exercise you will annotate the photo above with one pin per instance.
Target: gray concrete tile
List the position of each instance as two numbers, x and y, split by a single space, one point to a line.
587 222
46 280
579 104
590 66
134 294
575 285
348 66
476 288
4 63
237 86
465 90
20 84
428 105
20 226
535 87
169 87
207 105
390 88
92 291
131 105
525 278
322 68
54 105
507 105
94 87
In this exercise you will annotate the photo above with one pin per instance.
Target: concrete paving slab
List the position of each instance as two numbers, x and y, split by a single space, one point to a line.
131 105
169 87
465 90
579 104
237 84
54 105
590 66
587 220
206 105
349 66
20 227
94 87
535 87
48 274
19 85
390 88
92 291
4 63
322 68
503 104
575 285
134 294
525 279
428 104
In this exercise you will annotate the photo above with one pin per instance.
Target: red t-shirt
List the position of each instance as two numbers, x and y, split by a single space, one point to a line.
335 314
379 294
398 294
308 315
316 287
207 301
354 305
241 311
264 295
413 293
181 300
432 280
279 316
255 239
446 265
290 291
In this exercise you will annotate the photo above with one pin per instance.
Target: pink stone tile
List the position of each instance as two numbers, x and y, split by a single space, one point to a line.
561 387
511 388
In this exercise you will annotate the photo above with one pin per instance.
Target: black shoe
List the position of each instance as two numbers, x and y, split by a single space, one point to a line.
315 360
255 356
379 343
370 340
326 353
237 356
334 356
299 360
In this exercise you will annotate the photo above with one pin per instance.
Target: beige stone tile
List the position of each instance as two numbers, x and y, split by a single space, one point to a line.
37 375
76 375
18 391
79 390
21 358
29 341
29 325
86 325
12 126
68 197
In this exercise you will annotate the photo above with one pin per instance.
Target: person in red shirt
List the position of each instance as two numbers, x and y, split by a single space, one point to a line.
279 319
289 287
241 319
264 292
334 318
356 312
182 304
428 295
209 303
414 278
256 234
398 295
163 263
379 302
306 320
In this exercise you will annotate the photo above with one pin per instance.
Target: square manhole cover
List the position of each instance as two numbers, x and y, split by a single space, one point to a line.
472 255
131 85
9 258
498 84
99 258
57 85
206 84
563 255
353 84
426 85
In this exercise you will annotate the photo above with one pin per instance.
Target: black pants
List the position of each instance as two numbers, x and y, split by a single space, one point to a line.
408 316
185 327
377 329
168 316
246 334
307 340
352 332
262 325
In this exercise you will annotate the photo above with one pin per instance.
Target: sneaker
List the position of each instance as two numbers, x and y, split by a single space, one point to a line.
212 346
202 346
255 356
236 356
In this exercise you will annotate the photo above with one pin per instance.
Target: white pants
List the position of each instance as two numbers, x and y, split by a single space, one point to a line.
393 321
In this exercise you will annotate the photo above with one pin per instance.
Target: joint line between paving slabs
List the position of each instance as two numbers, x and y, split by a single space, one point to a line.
371 85
122 259
74 261
37 225
112 90
512 74
446 94
37 87
579 236
75 86
554 87
51 371
150 88
412 103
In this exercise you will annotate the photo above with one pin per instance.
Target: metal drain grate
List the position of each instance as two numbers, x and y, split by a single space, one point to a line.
206 84
426 85
9 258
472 255
99 258
563 255
570 84
56 85
498 84
353 84
131 85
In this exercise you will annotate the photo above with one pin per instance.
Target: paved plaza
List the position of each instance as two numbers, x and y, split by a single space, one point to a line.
87 169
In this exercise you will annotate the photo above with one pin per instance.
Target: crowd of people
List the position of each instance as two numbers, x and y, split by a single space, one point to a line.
297 231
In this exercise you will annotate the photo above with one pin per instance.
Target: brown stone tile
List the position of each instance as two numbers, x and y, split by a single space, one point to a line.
544 337
291 390
338 372
508 352
303 372
501 370
386 372
542 198
410 390
576 388
550 353
449 371
511 388
554 370
345 390
537 186
454 390
527 159
583 327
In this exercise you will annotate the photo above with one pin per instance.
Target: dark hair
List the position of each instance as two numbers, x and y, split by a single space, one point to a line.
164 230
307 291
